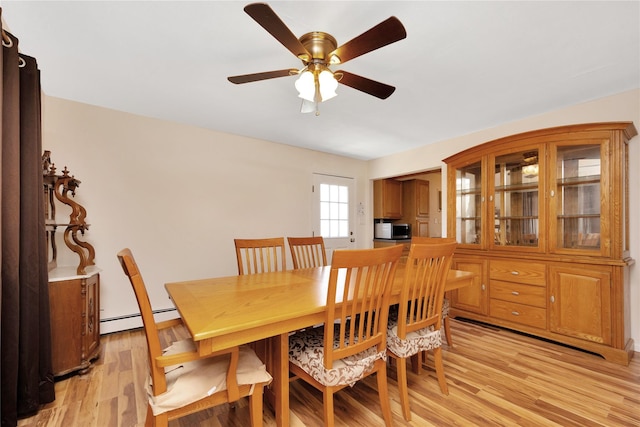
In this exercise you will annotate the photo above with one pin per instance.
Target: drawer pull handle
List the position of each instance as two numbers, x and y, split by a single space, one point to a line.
516 293
515 313
515 273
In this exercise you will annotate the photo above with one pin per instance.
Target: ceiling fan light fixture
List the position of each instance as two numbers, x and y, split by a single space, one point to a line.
316 84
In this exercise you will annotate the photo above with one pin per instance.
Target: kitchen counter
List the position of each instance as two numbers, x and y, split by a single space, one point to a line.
394 241
383 243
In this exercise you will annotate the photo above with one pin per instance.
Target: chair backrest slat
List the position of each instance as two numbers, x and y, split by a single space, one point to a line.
360 284
423 287
307 252
260 255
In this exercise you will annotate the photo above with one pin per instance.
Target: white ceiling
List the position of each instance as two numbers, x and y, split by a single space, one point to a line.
464 66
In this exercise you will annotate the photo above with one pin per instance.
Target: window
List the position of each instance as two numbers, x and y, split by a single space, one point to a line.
334 210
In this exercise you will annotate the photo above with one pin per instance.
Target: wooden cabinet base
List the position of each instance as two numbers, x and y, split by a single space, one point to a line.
81 368
577 302
75 323
620 356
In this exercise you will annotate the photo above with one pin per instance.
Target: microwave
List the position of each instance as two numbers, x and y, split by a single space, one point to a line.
388 230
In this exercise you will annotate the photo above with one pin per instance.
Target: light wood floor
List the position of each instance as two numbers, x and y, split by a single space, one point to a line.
495 377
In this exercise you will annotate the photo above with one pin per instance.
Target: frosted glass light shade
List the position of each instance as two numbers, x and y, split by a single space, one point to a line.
316 86
305 85
328 85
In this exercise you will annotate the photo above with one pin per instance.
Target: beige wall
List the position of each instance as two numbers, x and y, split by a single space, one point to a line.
621 107
178 195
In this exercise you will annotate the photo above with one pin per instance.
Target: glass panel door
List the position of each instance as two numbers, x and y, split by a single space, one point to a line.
333 212
469 204
516 205
578 196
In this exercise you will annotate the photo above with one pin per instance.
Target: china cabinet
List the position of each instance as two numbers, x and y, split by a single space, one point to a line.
74 291
387 199
543 218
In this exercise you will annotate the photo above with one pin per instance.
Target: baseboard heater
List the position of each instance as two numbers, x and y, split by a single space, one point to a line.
133 321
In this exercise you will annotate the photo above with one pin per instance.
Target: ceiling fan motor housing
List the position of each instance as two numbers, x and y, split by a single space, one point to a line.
319 44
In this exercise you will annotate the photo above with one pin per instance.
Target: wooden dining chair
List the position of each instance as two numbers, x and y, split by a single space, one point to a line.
351 343
307 252
446 305
416 325
180 382
260 255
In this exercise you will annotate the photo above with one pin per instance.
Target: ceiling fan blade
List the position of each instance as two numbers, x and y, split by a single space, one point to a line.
267 18
247 78
384 33
372 87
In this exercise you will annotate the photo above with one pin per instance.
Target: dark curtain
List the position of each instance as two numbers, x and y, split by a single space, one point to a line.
26 372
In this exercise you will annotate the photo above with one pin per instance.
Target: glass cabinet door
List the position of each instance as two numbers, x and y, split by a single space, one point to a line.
469 204
577 197
514 202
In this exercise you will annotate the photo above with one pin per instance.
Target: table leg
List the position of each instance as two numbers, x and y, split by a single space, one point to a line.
280 375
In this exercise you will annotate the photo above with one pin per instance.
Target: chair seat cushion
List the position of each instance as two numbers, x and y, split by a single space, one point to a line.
415 342
306 350
445 308
192 381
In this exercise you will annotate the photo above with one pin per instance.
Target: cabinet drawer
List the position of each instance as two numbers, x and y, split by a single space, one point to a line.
530 273
520 313
517 292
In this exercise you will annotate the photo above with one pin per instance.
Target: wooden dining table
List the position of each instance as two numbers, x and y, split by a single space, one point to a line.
264 308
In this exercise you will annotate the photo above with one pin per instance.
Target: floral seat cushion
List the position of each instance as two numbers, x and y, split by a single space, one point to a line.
417 341
445 308
306 350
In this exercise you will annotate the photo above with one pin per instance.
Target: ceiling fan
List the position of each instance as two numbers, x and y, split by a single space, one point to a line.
318 51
